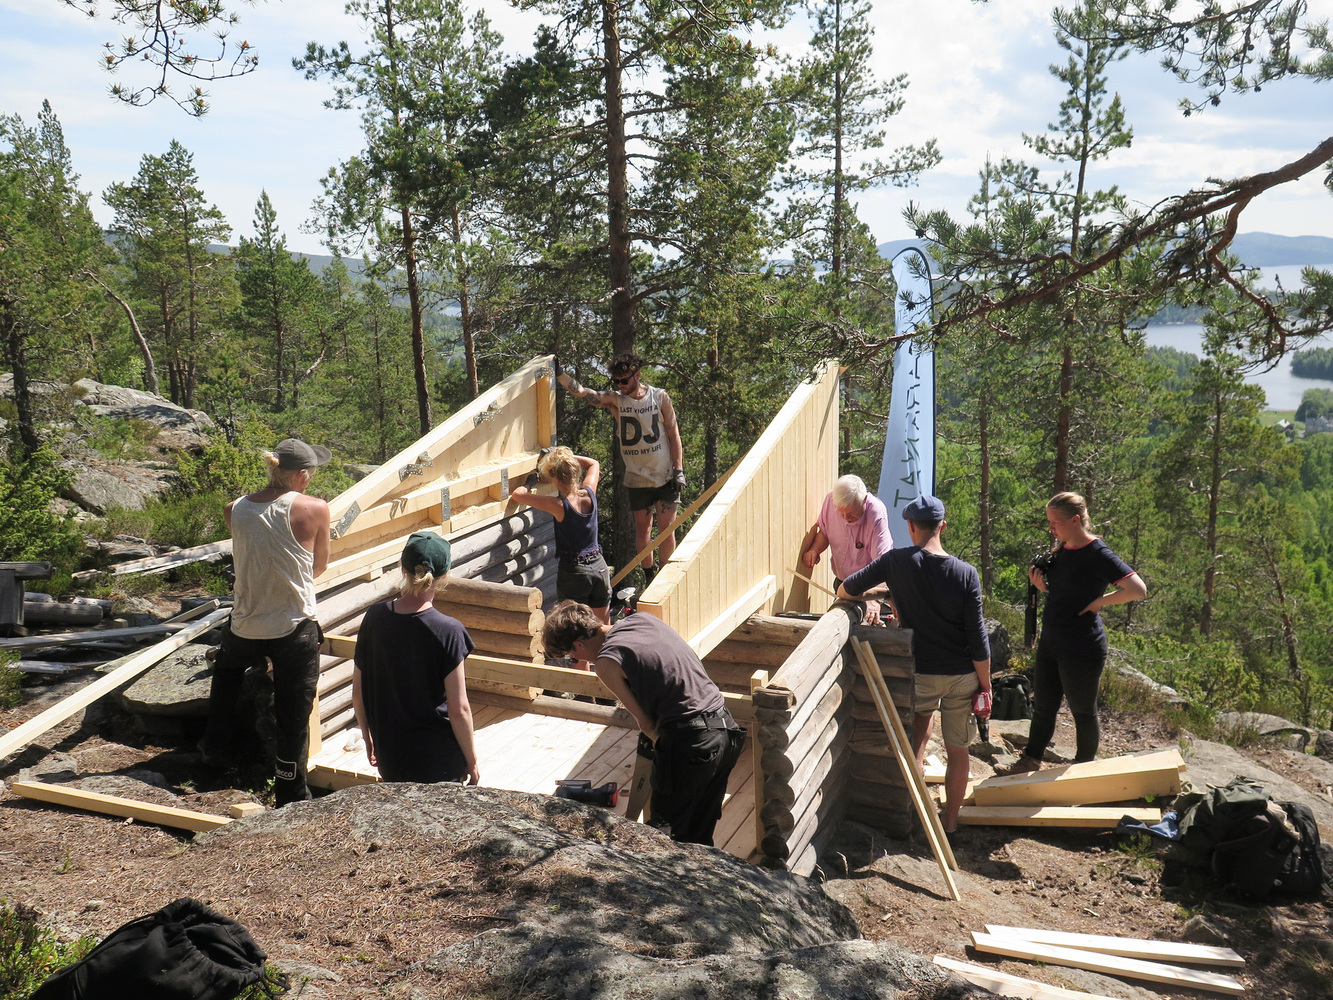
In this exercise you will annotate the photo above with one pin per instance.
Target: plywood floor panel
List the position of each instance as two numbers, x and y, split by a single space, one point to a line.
527 753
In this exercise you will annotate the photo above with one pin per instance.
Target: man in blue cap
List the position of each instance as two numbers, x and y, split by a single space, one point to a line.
938 596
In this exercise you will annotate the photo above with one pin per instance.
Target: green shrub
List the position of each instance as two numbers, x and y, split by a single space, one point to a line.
119 438
1211 673
29 952
29 531
11 681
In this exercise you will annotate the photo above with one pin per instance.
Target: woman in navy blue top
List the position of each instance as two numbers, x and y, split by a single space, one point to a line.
582 574
1071 652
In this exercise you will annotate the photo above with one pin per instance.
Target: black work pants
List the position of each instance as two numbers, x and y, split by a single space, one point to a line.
1074 677
295 659
690 778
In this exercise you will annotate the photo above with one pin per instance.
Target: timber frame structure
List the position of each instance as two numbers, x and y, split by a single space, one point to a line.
817 750
733 588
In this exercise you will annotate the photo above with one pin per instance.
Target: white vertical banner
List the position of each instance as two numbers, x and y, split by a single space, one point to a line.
908 469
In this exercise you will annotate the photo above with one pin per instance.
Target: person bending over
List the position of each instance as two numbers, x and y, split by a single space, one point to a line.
663 684
853 525
938 596
409 690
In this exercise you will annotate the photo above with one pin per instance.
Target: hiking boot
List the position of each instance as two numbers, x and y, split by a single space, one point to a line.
1025 765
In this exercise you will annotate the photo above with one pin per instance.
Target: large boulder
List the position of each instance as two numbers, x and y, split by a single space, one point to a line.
99 485
180 428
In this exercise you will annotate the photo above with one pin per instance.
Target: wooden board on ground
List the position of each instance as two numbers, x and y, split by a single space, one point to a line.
1117 779
1153 951
118 678
1155 972
1010 986
1087 817
114 805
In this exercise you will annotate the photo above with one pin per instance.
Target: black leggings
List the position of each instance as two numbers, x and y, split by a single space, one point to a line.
1074 677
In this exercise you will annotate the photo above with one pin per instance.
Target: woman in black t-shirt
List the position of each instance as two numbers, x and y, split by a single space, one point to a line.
1071 652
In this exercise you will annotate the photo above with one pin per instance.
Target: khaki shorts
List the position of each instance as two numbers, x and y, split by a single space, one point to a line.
952 695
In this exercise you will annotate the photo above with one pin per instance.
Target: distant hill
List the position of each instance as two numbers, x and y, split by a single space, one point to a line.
1255 249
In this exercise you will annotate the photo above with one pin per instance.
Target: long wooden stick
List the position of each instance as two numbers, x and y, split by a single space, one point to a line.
907 762
628 568
817 586
116 805
118 678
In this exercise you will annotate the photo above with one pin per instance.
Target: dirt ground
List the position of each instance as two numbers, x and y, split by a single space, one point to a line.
353 920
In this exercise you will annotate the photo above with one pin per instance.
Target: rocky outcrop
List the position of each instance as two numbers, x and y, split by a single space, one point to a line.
180 428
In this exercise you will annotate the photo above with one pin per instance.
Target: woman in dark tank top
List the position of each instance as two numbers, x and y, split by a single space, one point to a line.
582 575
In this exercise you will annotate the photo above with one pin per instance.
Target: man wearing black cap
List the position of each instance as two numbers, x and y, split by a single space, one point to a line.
280 544
939 597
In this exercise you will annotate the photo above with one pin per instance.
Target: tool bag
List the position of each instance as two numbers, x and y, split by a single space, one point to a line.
1012 696
184 951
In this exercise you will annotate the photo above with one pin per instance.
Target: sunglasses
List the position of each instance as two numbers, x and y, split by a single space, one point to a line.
624 379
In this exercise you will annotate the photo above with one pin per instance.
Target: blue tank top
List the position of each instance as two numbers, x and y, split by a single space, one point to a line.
576 535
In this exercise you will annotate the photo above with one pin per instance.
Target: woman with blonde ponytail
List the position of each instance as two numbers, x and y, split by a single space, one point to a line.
582 575
1071 651
408 686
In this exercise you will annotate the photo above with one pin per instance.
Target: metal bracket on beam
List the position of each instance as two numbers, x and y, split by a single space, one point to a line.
504 484
423 462
490 413
345 522
446 511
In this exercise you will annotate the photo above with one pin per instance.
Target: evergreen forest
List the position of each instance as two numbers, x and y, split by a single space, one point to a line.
659 179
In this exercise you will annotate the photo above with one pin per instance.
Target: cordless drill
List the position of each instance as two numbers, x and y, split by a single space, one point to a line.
581 790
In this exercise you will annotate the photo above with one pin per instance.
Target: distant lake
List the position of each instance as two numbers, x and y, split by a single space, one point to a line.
1282 389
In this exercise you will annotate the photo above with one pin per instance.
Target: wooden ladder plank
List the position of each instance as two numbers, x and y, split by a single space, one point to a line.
1088 817
1145 948
1011 986
115 805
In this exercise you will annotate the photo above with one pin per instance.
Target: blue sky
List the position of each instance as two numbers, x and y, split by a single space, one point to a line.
978 79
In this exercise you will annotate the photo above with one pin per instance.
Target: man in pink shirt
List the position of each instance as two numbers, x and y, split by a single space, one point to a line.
853 525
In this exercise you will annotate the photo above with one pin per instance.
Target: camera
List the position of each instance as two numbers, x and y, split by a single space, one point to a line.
1041 562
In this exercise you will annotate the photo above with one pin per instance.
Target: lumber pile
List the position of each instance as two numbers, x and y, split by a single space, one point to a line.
1075 795
1174 964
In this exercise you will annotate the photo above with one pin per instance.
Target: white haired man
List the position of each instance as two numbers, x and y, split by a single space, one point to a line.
853 526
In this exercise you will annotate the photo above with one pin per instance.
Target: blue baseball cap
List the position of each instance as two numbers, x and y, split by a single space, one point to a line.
925 508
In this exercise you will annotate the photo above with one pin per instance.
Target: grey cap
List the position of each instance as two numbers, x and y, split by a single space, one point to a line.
296 454
924 508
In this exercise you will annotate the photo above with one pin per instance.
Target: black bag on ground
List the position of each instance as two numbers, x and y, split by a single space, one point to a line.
1012 697
1252 844
184 951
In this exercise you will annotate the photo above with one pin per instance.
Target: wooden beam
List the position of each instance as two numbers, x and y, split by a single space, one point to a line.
1145 948
1117 779
740 609
1154 972
1086 817
1011 986
89 635
114 805
113 681
161 564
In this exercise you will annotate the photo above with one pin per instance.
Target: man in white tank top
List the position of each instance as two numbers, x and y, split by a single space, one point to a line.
650 446
280 544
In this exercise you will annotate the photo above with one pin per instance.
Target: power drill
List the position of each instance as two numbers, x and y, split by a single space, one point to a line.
981 704
581 790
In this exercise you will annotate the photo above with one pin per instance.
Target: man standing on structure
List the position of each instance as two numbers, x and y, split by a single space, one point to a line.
662 683
853 525
938 596
651 449
280 544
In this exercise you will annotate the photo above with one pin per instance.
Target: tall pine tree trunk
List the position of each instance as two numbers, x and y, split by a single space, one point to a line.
617 188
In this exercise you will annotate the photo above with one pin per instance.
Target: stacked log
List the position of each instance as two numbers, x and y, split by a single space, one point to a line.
503 620
805 727
762 643
878 792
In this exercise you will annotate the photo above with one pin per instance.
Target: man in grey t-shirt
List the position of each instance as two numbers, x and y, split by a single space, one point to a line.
662 683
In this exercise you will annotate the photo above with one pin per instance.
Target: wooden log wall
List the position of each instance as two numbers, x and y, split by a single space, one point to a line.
752 529
824 754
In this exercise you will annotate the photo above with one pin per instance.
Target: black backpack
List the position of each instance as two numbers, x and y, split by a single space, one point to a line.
1012 697
184 951
1252 844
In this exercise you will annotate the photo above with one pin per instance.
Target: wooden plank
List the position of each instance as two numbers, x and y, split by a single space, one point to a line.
1117 779
162 564
1145 948
1011 986
902 749
742 608
240 810
114 805
113 681
1085 817
1155 972
89 635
